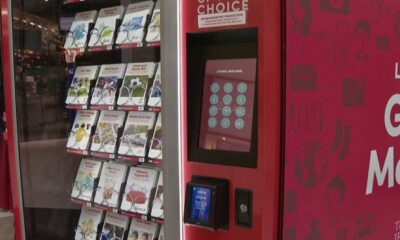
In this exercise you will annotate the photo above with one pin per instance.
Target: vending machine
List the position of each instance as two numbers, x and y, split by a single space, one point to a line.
288 119
279 119
229 97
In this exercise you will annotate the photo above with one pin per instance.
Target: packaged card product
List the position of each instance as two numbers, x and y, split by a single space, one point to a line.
135 84
89 222
105 138
161 236
136 133
104 30
141 229
155 92
84 78
155 151
80 132
111 179
115 226
153 32
157 210
77 35
132 27
140 183
88 172
105 90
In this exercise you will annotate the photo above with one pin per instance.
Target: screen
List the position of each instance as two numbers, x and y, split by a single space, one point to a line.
227 104
200 208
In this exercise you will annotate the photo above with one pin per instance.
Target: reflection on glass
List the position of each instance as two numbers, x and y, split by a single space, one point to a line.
41 83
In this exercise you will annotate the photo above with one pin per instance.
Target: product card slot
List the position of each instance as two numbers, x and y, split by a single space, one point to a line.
104 202
119 135
126 233
118 23
150 134
99 228
152 195
148 21
92 84
122 189
95 184
73 150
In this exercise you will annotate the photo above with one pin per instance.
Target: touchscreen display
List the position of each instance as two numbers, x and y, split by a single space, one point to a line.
227 104
200 208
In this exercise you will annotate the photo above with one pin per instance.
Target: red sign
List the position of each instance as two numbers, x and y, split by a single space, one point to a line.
342 172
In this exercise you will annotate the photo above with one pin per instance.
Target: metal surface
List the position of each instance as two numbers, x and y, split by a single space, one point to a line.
172 117
9 89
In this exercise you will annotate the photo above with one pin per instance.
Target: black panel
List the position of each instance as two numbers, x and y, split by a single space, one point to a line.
229 44
244 208
218 204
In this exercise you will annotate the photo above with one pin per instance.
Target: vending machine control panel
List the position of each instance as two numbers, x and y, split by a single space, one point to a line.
207 203
222 96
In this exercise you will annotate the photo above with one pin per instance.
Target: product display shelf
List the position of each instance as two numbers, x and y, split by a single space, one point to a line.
155 162
78 152
129 55
157 220
121 108
146 217
133 159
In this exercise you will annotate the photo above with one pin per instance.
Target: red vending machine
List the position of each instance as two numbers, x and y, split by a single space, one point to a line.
231 113
288 119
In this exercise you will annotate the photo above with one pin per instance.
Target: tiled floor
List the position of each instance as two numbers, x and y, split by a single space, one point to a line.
6 226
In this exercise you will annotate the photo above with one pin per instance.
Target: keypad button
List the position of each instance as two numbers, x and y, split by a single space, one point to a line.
242 87
239 123
212 122
226 111
240 111
214 87
227 99
225 123
214 99
228 87
213 111
241 99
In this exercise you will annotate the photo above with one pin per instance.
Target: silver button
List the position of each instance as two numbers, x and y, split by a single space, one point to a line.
243 208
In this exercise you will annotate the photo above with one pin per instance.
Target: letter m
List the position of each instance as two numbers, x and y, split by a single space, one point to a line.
380 174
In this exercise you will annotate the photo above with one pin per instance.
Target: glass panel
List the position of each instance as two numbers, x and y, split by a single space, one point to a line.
44 81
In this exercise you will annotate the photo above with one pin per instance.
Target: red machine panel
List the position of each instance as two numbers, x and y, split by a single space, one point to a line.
342 130
204 16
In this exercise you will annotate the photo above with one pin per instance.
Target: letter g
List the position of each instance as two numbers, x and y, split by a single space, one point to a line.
393 131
